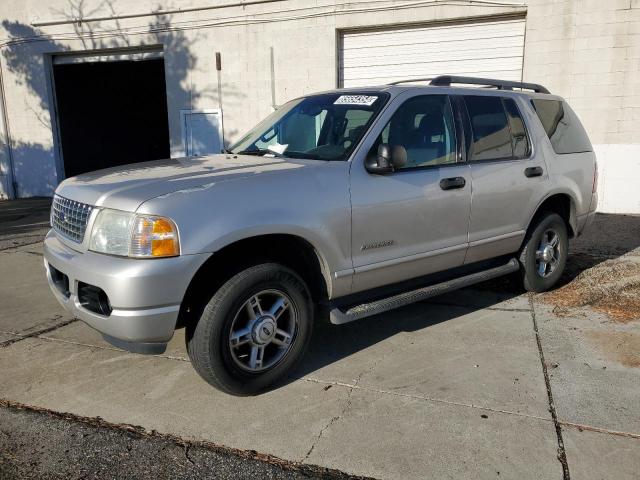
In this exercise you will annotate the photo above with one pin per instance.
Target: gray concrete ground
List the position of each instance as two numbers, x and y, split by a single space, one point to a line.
23 221
486 382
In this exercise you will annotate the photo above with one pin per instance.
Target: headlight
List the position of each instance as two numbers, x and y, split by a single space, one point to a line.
140 236
111 232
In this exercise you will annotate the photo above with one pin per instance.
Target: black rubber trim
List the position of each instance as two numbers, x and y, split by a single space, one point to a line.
145 348
447 80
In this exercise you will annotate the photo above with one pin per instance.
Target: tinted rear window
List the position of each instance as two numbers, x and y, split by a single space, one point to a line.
563 128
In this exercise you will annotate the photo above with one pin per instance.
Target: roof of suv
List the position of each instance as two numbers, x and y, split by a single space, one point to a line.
461 83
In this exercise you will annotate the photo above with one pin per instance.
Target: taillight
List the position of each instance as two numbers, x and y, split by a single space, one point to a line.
595 178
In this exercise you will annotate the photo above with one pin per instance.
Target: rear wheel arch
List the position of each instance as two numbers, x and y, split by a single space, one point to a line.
289 250
564 205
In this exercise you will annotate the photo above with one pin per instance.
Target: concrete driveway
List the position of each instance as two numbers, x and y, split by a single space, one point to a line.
482 383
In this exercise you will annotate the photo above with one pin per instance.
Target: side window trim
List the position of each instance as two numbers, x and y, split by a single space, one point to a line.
469 133
464 125
508 117
460 126
524 125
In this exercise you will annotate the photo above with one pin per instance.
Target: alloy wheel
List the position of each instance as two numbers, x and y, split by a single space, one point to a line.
263 331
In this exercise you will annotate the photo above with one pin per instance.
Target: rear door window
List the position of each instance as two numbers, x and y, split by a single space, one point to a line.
491 136
566 133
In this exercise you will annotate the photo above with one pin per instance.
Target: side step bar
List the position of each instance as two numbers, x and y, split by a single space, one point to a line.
338 317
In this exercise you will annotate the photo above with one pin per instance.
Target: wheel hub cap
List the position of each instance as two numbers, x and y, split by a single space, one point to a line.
263 330
547 253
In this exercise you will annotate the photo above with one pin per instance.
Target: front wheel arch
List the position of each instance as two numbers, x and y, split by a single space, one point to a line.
292 251
209 341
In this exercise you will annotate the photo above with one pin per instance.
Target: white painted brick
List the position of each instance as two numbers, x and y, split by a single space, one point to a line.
616 165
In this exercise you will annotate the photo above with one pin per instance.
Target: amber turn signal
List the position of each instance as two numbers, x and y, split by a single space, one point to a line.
154 237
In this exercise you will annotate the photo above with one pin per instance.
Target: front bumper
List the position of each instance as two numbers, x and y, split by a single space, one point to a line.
145 295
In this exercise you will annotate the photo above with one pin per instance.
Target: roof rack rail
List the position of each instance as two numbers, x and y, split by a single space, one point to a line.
410 80
447 80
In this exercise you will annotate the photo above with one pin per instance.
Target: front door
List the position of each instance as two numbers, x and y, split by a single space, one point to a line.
414 221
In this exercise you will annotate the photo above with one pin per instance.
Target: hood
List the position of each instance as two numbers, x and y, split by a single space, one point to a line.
127 187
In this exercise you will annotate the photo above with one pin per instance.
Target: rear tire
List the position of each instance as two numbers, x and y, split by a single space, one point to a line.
254 329
544 253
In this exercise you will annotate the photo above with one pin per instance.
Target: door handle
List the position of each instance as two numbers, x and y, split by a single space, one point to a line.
533 172
452 182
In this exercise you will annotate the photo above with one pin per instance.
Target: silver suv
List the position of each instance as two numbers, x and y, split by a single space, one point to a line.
339 205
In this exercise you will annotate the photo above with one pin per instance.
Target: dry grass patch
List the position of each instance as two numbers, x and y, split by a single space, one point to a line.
612 287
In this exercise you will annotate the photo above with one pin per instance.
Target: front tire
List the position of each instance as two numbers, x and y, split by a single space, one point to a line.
544 254
254 329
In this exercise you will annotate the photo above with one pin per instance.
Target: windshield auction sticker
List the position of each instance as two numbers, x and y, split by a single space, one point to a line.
367 100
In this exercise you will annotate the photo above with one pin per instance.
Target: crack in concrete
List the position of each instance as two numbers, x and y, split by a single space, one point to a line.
590 428
476 307
345 409
562 456
16 246
38 254
322 430
109 348
37 333
423 397
334 419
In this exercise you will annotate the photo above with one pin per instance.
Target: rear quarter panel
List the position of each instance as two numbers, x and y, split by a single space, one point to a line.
571 173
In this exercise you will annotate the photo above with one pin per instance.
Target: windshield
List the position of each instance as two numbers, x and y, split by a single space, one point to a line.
321 127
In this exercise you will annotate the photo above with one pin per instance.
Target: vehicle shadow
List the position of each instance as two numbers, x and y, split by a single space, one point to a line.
609 237
333 343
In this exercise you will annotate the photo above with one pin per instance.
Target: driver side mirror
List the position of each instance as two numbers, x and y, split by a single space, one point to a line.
388 159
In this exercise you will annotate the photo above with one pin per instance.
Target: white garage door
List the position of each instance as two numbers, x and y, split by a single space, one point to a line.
491 49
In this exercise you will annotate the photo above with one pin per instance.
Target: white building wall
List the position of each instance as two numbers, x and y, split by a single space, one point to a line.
586 50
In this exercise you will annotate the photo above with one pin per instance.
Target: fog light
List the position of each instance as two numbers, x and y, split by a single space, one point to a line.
94 299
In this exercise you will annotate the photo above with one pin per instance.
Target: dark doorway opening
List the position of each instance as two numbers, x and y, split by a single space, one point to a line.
111 113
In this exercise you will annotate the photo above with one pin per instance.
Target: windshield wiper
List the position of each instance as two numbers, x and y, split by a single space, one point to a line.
289 154
261 151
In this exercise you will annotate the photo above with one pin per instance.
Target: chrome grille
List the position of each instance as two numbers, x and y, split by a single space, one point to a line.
69 218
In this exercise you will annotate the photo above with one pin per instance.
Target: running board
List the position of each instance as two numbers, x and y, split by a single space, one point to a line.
338 317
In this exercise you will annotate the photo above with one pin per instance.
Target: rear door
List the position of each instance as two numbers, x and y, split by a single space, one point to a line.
414 221
509 176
